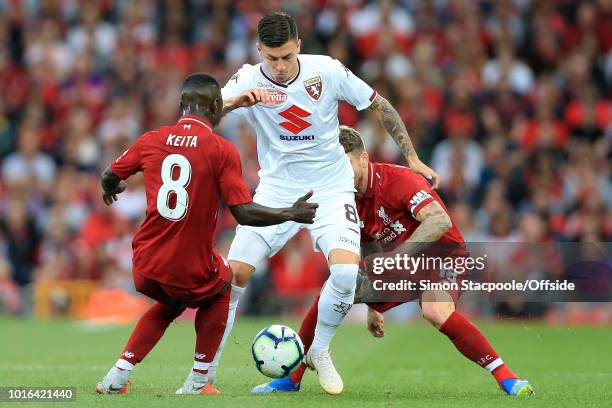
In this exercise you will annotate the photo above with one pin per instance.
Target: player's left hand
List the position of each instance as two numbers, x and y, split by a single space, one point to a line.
421 168
110 197
376 323
302 211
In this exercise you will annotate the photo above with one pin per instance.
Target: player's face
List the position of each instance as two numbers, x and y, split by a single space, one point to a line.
281 61
359 162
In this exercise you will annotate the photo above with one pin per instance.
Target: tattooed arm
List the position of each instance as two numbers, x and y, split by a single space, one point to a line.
391 121
435 222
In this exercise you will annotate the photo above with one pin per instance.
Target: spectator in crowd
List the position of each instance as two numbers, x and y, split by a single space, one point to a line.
29 166
510 100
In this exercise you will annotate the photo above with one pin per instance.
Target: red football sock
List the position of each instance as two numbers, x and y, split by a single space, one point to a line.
210 325
148 331
307 332
470 341
296 376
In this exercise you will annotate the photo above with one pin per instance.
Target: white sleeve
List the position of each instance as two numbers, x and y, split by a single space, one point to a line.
238 83
350 87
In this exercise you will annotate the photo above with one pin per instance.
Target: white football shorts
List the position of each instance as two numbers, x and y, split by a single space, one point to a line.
336 226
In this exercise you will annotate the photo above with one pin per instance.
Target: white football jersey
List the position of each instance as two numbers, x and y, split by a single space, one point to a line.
297 130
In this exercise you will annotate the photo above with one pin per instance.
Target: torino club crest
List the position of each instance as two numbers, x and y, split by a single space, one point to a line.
314 87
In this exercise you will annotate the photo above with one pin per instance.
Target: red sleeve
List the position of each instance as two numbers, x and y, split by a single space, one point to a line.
415 192
129 162
232 185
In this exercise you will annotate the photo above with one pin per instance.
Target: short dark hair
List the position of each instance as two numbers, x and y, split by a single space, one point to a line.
351 140
276 28
200 81
200 95
198 88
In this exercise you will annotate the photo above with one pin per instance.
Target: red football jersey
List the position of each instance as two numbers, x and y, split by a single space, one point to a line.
186 169
394 195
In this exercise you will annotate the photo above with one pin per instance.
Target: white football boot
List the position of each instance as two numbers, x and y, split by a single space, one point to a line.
194 384
116 381
329 379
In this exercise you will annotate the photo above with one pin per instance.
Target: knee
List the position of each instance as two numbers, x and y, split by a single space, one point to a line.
436 313
169 310
343 278
242 273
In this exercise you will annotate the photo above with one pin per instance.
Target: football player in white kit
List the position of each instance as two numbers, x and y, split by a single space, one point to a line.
292 103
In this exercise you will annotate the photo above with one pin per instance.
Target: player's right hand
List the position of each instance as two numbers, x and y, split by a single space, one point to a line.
432 177
251 97
303 211
110 197
376 323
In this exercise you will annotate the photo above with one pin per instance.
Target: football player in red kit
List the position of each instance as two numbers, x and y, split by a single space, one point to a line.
401 214
187 168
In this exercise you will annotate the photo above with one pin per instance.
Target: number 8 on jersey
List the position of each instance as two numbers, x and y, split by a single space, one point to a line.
171 186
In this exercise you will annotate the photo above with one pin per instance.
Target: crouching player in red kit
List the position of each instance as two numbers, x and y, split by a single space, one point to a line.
401 213
186 168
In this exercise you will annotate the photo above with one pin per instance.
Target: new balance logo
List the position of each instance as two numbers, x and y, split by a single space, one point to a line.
294 117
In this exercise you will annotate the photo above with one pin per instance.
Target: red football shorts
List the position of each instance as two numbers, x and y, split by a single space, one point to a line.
176 296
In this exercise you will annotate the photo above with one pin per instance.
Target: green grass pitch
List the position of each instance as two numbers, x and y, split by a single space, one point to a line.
413 366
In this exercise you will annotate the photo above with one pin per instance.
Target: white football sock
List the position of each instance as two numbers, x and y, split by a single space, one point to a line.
235 295
336 299
124 365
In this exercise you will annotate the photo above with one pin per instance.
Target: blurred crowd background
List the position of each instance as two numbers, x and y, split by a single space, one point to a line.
509 100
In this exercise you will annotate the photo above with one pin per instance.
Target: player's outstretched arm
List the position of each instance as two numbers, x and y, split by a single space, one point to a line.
259 215
391 121
245 100
111 186
435 222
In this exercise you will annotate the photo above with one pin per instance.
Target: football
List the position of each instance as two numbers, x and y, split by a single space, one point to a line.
277 351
